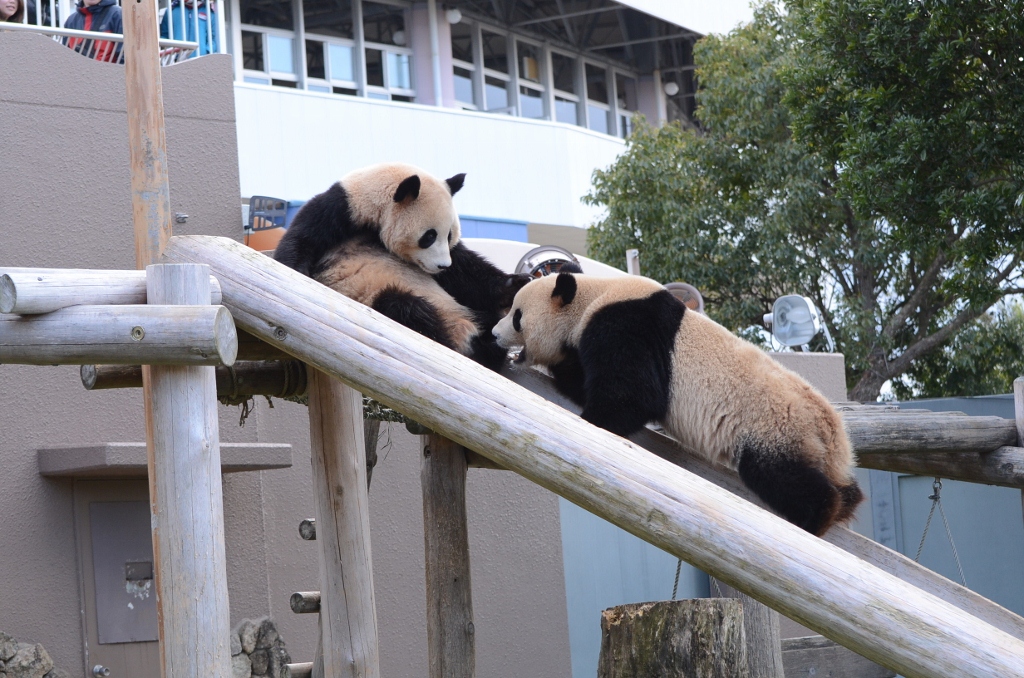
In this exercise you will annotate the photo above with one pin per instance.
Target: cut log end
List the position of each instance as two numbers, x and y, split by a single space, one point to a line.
8 294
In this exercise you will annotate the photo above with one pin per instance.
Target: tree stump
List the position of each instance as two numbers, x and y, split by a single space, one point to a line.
699 638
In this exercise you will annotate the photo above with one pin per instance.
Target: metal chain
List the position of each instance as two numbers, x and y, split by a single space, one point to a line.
936 498
675 586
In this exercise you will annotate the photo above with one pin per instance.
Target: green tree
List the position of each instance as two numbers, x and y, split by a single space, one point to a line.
981 359
900 225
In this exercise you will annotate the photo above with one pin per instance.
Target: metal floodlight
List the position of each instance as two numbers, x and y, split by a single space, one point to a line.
794 320
544 260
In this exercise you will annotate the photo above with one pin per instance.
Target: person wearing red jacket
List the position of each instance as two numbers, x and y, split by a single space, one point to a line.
101 16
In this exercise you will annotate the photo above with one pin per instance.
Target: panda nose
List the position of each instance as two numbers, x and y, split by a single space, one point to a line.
443 267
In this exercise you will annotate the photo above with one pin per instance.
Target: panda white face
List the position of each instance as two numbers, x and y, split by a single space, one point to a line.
542 320
413 210
422 225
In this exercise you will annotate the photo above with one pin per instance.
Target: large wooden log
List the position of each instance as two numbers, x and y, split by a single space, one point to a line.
805 578
934 432
133 335
1003 466
880 556
276 378
41 290
451 646
186 499
348 613
674 639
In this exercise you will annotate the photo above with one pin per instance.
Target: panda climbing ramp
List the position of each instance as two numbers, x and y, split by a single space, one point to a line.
629 352
388 236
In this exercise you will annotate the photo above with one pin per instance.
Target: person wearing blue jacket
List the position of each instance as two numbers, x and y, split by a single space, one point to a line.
101 16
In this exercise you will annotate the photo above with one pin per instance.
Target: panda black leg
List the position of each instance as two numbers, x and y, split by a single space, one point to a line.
414 312
485 350
802 494
568 376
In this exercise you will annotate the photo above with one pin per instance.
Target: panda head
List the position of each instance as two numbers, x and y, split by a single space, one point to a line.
413 209
543 319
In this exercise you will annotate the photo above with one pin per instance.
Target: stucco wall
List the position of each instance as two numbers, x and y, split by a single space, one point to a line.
65 202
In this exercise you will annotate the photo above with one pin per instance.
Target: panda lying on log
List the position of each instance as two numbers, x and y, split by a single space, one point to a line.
630 353
387 236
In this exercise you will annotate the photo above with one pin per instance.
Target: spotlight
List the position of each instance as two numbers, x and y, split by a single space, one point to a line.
544 260
453 15
794 321
671 88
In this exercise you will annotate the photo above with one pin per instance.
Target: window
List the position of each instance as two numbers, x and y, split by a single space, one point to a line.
330 66
268 43
597 97
496 76
388 60
463 63
625 91
531 91
563 79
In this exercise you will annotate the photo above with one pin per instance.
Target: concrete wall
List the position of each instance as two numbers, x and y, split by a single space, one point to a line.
65 202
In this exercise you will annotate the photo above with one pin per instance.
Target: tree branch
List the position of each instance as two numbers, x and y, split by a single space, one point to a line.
916 299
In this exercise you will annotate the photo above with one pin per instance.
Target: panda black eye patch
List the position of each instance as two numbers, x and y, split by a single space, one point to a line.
517 318
428 239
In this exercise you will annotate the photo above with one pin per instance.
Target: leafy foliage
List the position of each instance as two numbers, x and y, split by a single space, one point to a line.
982 359
865 153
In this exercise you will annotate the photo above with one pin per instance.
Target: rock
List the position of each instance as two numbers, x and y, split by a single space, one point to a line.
247 632
278 659
268 634
260 662
241 667
31 661
58 673
236 645
8 647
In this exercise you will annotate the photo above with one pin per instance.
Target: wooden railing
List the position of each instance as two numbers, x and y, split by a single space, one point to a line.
867 608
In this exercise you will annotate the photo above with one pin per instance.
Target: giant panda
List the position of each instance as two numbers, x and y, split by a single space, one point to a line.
388 236
630 353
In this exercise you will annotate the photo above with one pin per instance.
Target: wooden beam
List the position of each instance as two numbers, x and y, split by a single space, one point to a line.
40 290
811 581
818 656
348 614
132 335
898 432
276 378
305 602
451 647
1003 466
186 498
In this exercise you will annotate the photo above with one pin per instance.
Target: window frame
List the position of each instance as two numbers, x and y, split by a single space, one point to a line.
268 73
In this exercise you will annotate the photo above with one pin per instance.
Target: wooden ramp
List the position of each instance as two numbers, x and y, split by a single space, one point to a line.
872 609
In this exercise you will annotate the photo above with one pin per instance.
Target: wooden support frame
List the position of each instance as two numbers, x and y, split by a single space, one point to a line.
132 335
186 498
861 606
348 613
276 378
451 635
41 290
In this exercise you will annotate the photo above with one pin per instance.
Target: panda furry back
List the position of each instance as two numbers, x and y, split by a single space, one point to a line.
629 353
393 229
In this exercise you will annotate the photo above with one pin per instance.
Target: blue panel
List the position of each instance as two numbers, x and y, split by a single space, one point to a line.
480 227
606 566
987 528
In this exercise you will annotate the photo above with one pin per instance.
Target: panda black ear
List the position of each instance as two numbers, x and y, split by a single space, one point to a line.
455 183
409 188
565 288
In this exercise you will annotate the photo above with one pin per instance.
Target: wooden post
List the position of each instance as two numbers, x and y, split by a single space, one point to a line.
761 629
186 498
348 614
674 639
450 633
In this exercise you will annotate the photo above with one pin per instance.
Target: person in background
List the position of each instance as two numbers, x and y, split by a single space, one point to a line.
181 21
13 11
101 16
